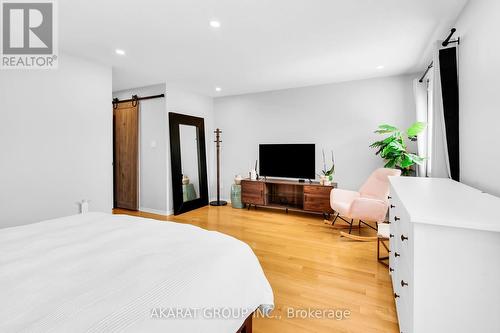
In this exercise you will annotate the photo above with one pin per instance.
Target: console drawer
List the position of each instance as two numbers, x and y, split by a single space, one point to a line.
252 192
323 191
317 203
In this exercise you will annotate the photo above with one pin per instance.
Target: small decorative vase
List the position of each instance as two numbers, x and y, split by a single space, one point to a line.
328 180
322 180
236 196
237 179
185 180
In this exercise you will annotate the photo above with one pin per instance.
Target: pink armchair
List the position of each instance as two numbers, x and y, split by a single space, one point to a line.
370 204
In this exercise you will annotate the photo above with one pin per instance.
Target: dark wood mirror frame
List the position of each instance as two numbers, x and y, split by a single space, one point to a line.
175 120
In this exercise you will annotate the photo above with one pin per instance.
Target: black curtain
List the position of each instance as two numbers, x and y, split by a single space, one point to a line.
449 87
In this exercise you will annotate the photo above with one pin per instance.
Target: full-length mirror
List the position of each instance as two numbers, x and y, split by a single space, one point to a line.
188 160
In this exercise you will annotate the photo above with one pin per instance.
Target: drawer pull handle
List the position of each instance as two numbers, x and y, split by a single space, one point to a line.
391 269
389 197
396 254
391 236
396 218
403 284
403 238
392 206
396 295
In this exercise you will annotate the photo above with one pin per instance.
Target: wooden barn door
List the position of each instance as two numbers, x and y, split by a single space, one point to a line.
126 149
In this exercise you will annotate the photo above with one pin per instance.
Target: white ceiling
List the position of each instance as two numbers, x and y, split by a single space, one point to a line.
261 44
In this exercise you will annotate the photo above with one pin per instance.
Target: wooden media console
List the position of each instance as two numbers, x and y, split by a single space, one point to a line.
287 194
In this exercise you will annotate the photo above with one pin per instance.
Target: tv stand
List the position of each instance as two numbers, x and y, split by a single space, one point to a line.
287 195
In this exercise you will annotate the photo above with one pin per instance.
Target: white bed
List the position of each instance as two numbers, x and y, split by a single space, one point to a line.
112 273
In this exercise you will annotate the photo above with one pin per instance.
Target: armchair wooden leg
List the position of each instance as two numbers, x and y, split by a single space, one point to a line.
380 259
350 225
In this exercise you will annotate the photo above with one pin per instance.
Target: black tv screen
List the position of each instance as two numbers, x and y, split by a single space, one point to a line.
287 160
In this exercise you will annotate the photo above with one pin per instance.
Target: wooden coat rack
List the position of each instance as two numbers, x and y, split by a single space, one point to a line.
218 141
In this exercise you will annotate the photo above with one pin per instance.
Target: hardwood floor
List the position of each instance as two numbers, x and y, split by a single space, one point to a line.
309 267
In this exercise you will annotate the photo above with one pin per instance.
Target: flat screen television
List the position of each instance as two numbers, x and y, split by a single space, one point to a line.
287 160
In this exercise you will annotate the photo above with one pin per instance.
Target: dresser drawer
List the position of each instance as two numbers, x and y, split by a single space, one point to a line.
404 311
405 244
402 240
401 221
393 263
404 303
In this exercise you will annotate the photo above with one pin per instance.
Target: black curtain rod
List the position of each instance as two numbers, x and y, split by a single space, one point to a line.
136 98
445 43
426 71
448 39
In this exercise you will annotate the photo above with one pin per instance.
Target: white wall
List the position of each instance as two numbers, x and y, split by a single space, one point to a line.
479 84
155 167
339 117
185 102
55 141
153 164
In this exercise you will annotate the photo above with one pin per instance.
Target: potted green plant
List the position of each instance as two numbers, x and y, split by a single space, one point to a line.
327 173
394 150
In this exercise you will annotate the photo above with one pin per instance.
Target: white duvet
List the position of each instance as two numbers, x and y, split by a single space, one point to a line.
112 273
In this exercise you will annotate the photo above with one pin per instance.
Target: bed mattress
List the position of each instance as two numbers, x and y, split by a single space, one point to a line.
98 272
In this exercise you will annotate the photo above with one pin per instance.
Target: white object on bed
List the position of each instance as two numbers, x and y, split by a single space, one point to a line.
112 273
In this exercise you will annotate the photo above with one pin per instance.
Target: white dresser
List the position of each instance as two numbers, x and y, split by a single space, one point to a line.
445 256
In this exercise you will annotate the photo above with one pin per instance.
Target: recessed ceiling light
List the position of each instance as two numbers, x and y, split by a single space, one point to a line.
215 24
380 67
119 52
218 89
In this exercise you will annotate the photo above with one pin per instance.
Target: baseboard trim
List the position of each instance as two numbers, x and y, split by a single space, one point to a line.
155 211
171 211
